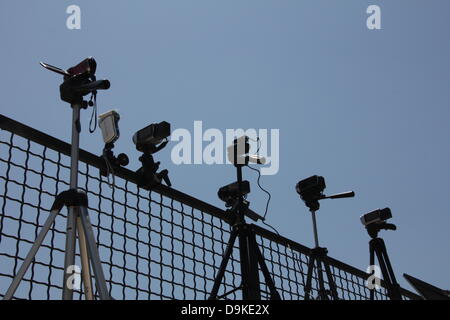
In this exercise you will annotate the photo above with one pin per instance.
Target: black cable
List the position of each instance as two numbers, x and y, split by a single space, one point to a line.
264 190
265 223
268 199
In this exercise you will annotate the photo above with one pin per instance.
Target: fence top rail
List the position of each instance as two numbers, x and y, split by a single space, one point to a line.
62 147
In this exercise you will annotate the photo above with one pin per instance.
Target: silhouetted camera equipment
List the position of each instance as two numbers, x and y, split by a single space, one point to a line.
230 192
251 258
109 125
311 191
151 137
238 154
150 140
230 195
377 216
375 221
79 81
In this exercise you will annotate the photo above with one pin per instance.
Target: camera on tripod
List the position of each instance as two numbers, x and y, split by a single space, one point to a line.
150 140
78 82
375 221
377 216
251 258
311 191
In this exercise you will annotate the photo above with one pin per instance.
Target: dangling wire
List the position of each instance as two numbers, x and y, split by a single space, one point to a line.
94 112
271 227
268 199
264 190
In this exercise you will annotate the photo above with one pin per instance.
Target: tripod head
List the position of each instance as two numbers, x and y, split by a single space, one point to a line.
311 191
373 229
375 221
79 81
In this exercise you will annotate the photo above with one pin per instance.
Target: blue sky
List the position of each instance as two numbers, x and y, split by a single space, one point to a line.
366 109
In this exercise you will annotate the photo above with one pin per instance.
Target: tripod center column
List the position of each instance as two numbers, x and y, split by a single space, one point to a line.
74 152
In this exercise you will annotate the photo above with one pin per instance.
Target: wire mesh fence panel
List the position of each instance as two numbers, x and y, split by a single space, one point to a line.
153 244
289 266
150 246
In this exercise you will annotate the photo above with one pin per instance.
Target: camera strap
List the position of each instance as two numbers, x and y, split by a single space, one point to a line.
93 102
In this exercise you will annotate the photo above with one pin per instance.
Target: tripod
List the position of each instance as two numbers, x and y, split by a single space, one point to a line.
377 247
74 87
311 191
250 255
318 257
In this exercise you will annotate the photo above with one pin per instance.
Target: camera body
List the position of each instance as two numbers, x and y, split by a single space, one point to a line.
86 67
376 216
109 125
311 191
151 135
230 192
238 153
238 150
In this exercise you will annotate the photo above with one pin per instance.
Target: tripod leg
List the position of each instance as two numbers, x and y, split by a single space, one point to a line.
384 270
273 291
69 259
31 254
322 291
223 265
394 288
311 262
85 269
331 282
251 285
93 253
372 263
